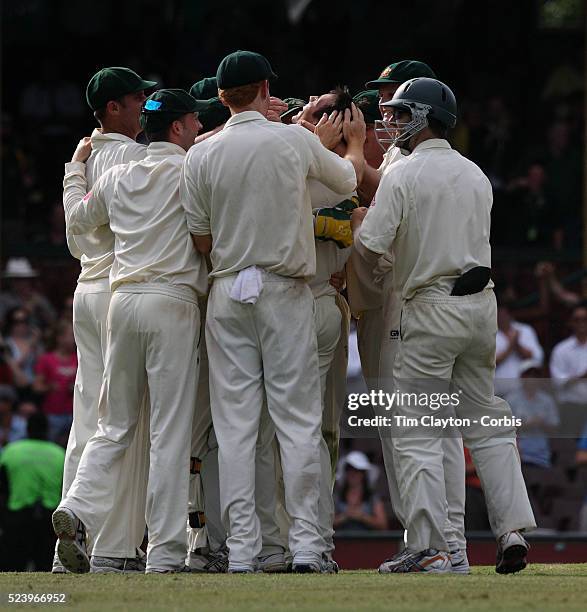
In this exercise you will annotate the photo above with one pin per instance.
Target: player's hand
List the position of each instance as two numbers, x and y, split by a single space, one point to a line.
329 130
276 108
353 127
83 150
357 217
338 280
309 126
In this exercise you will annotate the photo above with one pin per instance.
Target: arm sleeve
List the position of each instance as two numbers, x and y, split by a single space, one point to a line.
327 167
194 196
381 222
73 172
83 211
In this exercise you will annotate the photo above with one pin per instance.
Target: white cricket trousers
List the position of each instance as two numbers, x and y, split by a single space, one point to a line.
328 326
448 344
117 538
452 446
204 500
267 347
153 332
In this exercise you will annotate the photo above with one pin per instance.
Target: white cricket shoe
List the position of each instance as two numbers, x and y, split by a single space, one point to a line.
430 561
71 548
272 564
459 563
180 570
241 568
306 562
115 565
512 550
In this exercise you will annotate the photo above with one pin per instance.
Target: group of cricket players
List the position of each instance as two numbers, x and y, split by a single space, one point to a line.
212 323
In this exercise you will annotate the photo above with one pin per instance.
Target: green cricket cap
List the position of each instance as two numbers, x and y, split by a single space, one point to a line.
205 89
165 106
294 105
400 72
368 102
214 113
113 83
243 67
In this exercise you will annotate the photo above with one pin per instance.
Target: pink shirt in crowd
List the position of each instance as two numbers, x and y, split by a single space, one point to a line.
59 374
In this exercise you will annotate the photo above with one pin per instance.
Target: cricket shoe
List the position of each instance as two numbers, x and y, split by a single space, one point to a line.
57 567
512 550
272 564
459 563
329 565
115 565
241 568
430 561
306 562
71 548
184 569
387 566
204 561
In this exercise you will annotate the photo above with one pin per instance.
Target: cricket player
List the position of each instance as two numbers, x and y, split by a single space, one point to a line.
376 302
153 332
247 203
116 96
206 534
433 210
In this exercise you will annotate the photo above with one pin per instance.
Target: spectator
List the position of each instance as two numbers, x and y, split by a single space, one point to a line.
55 379
531 217
31 474
564 167
568 368
22 293
476 517
539 416
22 341
514 343
9 426
581 461
358 508
10 373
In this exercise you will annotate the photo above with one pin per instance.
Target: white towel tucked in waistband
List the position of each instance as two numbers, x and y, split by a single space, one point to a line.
248 285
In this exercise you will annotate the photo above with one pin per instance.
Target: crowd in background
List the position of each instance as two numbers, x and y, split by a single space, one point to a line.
526 134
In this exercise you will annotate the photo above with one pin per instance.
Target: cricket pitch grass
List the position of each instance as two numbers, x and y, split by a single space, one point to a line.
539 588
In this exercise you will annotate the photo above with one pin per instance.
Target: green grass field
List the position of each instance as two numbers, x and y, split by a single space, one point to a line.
539 587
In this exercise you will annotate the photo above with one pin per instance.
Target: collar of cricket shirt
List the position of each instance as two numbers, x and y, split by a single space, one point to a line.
97 136
245 116
433 143
164 148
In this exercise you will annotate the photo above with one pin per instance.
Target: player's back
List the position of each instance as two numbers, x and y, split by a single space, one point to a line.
252 176
152 243
446 218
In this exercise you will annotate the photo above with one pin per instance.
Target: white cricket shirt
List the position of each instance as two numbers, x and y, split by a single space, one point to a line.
247 187
140 201
433 209
95 250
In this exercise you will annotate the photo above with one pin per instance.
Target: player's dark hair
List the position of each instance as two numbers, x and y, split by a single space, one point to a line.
342 101
437 128
37 426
